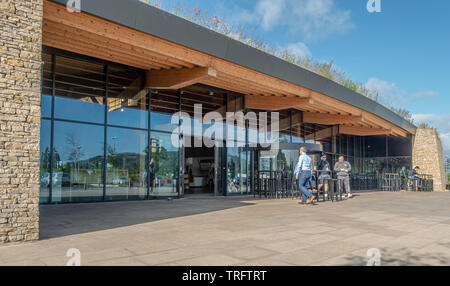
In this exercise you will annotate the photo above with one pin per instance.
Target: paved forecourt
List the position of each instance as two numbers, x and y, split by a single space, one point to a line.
406 228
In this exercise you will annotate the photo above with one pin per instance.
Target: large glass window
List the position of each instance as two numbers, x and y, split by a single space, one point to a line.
127 155
45 161
375 146
285 126
398 146
78 162
164 105
127 99
79 90
47 83
164 155
400 165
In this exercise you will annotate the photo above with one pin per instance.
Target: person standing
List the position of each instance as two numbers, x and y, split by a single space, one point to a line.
151 170
324 172
211 178
343 169
303 173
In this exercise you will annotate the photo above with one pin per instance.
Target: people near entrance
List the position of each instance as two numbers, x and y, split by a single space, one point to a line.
211 178
414 177
343 169
324 174
151 170
303 173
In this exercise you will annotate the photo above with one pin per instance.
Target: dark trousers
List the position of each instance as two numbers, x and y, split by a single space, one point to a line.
303 183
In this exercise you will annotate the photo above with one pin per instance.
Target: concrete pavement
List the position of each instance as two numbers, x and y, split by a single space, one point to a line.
407 229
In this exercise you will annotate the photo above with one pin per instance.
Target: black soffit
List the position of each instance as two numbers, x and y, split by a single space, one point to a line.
156 22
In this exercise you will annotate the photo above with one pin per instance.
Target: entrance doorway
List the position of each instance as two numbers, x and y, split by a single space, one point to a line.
199 170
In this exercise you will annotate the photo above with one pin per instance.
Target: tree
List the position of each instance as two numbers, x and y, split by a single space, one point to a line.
75 154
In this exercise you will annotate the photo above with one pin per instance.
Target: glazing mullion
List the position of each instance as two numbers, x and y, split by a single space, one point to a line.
180 168
52 128
106 71
149 140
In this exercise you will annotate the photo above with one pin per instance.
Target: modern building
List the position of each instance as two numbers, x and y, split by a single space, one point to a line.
87 102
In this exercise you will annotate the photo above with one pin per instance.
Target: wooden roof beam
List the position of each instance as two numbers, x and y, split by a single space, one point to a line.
177 78
322 134
276 103
329 119
362 131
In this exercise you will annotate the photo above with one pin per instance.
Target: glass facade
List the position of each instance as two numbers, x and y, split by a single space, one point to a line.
77 162
165 161
45 162
104 137
126 164
95 134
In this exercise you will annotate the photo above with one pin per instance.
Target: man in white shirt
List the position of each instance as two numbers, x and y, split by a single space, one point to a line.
303 173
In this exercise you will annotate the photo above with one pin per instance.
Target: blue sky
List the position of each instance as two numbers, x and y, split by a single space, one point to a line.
403 52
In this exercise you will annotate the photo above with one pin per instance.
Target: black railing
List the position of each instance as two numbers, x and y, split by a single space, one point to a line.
274 184
363 182
282 184
424 184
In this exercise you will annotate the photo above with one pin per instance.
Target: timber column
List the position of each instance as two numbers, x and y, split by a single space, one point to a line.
20 89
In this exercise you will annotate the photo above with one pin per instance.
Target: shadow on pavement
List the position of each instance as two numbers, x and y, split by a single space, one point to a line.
70 219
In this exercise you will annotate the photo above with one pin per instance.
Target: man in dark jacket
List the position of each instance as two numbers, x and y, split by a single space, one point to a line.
343 169
415 180
324 174
151 170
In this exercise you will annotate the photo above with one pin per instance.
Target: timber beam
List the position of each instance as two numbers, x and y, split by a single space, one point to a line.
276 103
330 119
363 131
177 78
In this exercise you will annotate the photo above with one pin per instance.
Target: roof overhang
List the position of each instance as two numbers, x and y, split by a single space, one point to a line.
136 34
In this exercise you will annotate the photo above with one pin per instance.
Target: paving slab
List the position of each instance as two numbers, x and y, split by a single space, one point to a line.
406 228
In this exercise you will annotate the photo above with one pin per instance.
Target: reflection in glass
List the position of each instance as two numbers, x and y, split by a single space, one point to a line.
127 100
44 174
80 90
285 126
233 171
78 162
127 154
163 105
164 171
243 170
162 122
46 95
297 134
399 164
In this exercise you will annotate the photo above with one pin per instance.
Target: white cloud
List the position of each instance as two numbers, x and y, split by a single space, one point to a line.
270 11
426 94
313 19
388 92
441 123
299 49
318 19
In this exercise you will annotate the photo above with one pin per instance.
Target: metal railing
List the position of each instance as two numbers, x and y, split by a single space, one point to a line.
421 183
282 184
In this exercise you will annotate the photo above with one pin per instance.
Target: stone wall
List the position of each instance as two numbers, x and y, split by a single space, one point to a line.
428 155
20 87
